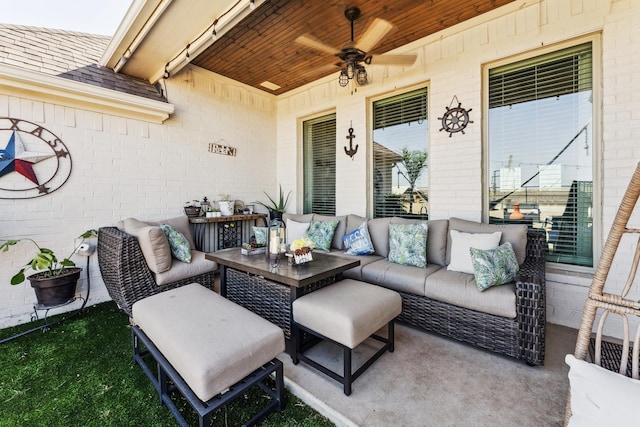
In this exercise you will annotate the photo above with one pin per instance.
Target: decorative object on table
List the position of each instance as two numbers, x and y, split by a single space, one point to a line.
205 205
192 208
276 243
226 205
251 249
516 214
54 281
238 206
301 249
455 119
276 209
351 151
213 213
249 208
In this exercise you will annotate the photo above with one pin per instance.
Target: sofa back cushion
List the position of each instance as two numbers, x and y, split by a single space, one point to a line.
379 232
181 223
153 243
437 241
516 234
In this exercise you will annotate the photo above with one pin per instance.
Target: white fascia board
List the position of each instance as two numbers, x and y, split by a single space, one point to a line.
125 32
58 90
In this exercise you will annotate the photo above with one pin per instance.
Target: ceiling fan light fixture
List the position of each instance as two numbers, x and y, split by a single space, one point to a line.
343 79
350 70
361 75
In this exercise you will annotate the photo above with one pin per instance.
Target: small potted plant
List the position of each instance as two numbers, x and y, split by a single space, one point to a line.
226 205
276 209
54 281
192 208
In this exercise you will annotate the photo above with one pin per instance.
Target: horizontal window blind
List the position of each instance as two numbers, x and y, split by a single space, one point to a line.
541 149
400 138
400 109
551 75
319 159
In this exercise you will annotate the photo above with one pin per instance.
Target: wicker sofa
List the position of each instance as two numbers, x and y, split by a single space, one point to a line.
135 261
508 319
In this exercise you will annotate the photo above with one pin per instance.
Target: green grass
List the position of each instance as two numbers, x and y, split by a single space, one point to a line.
81 373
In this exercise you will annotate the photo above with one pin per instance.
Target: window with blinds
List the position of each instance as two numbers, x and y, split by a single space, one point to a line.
400 156
541 149
319 160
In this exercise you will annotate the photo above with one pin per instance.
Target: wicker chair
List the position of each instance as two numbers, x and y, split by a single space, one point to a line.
602 301
125 272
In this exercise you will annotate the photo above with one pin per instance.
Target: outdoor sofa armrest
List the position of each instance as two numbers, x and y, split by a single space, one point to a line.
531 300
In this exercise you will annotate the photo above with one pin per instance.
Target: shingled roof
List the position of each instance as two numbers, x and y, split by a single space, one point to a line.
67 54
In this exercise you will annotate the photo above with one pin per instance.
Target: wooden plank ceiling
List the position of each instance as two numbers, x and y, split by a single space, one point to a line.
263 48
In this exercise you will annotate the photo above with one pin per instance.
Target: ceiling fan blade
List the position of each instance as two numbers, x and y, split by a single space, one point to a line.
373 34
316 44
408 59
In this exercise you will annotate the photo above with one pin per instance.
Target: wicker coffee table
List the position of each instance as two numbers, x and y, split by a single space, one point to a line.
252 283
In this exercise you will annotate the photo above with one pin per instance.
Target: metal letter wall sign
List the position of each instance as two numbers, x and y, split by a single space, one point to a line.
34 162
225 150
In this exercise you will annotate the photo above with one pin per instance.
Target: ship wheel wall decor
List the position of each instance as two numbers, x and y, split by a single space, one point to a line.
455 119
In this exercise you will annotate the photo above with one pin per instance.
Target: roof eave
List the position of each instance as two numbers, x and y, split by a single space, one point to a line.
57 90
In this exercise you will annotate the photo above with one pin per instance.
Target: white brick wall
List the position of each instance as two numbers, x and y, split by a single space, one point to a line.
124 167
451 64
127 168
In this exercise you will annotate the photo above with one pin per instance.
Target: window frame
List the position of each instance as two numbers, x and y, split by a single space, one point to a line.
597 141
300 189
370 128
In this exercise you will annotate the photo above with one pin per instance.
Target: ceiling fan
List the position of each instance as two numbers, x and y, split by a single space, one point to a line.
354 55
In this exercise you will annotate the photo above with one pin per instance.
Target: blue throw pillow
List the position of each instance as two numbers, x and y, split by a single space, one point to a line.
408 244
179 245
321 233
358 242
494 267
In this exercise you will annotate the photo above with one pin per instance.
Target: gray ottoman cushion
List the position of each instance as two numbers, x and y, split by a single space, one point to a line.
212 342
348 311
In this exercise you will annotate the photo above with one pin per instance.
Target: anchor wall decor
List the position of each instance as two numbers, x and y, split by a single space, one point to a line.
351 151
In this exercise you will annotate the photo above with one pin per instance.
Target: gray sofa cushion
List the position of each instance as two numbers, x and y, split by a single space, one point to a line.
460 289
181 270
516 234
153 243
180 223
356 272
403 278
379 231
353 222
437 232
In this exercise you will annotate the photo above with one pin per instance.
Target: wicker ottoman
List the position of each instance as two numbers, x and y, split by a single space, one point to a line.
346 313
208 348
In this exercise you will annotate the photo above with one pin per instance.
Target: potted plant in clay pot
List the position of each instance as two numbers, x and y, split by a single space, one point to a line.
54 281
276 209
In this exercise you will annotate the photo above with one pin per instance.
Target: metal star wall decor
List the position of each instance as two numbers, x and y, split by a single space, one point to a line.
25 168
